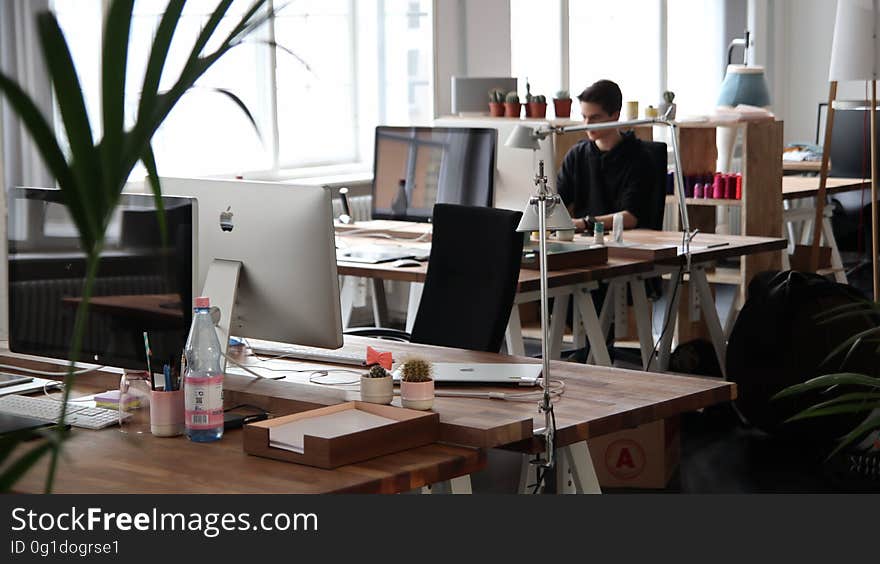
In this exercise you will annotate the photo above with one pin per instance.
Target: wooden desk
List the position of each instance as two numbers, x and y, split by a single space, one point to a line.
799 200
154 309
795 187
108 461
597 401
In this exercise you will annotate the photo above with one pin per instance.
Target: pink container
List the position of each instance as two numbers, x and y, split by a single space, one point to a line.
417 395
718 187
166 413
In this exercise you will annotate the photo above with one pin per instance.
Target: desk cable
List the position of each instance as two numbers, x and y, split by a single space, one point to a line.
315 372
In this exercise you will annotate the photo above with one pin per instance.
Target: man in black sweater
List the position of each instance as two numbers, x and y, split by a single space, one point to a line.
610 171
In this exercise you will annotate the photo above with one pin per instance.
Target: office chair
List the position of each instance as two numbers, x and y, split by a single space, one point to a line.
471 281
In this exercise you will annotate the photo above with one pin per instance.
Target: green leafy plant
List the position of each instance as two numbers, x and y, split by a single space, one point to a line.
540 99
376 371
845 392
512 97
562 95
417 370
496 96
529 97
92 175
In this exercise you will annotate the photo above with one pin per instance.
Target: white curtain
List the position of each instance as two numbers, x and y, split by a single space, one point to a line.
20 59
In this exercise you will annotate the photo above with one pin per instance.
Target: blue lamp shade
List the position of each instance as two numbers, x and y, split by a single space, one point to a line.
744 85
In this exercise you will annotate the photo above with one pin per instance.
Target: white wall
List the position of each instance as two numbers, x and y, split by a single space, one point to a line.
471 38
801 33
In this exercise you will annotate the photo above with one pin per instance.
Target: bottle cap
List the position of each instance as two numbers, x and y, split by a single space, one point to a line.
203 302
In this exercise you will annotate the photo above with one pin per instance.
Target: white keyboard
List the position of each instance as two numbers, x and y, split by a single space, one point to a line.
49 409
330 356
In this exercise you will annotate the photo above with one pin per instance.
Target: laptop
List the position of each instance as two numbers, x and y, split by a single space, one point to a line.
375 254
483 374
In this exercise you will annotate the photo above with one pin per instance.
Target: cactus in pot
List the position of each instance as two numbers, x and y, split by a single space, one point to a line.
377 386
416 384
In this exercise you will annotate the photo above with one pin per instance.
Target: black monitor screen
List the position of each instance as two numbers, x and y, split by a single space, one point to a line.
417 167
142 285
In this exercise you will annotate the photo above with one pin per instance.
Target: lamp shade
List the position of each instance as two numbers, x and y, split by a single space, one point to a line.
523 137
855 51
744 85
557 217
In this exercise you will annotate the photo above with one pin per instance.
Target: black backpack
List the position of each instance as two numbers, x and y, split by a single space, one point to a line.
777 342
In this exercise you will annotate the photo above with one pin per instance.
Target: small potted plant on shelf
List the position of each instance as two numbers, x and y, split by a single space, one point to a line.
538 107
512 107
529 100
562 105
377 386
496 102
668 105
416 384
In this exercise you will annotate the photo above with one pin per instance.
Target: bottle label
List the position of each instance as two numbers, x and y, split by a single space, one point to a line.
204 402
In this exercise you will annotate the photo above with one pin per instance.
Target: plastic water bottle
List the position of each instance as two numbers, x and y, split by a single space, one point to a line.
203 377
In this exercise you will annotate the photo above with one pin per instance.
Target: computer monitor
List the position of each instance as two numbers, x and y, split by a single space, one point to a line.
267 254
142 285
417 167
514 168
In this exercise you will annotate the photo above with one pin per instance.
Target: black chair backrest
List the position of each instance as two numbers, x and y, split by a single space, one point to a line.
472 277
658 201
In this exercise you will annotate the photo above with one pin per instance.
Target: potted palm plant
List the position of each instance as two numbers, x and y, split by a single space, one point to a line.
92 174
562 105
416 384
845 393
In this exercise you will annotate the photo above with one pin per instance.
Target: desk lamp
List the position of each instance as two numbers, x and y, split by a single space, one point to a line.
855 55
545 211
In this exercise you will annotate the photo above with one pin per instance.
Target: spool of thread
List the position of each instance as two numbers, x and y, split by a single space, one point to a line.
632 110
739 186
718 186
729 186
698 190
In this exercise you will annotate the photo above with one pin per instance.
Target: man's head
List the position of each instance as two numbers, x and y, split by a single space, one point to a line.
601 102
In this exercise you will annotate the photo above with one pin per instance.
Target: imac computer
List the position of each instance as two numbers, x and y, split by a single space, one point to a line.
417 167
141 285
266 258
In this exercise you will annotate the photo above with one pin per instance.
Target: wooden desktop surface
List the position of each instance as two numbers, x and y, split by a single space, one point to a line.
529 280
158 307
109 461
794 187
597 401
707 247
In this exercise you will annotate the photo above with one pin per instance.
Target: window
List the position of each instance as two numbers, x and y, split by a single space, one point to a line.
342 67
624 41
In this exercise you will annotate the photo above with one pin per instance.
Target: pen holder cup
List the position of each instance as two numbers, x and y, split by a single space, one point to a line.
166 413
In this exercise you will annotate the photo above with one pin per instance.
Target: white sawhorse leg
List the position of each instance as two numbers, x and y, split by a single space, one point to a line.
670 315
380 304
642 310
592 327
575 473
347 295
710 315
513 338
412 308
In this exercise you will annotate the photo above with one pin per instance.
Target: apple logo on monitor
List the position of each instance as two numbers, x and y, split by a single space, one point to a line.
226 219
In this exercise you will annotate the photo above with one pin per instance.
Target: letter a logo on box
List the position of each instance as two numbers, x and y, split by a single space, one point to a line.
625 459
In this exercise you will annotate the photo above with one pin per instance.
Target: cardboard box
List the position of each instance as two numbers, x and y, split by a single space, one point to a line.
644 457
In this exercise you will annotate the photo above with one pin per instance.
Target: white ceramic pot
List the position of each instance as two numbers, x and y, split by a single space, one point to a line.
417 395
377 390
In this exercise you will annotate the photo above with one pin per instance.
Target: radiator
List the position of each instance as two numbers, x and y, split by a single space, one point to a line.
361 207
39 321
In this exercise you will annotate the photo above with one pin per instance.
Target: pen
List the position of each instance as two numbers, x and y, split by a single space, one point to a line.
149 353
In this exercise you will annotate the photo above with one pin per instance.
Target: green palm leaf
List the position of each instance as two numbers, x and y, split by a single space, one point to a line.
871 424
114 60
827 381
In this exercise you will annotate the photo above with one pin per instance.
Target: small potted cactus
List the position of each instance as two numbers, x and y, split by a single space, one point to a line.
668 105
496 102
538 107
512 107
416 384
377 386
562 105
529 100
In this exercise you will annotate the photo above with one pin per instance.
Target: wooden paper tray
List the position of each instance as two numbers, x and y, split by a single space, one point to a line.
349 444
565 255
